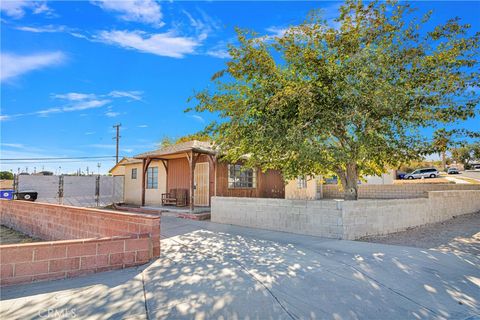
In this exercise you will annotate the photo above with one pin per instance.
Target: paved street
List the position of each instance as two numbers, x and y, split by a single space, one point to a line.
471 174
208 270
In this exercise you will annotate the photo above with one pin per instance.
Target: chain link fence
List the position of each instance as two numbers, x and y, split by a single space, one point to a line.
80 191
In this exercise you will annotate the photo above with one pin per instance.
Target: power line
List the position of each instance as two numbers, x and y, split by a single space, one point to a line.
56 158
55 161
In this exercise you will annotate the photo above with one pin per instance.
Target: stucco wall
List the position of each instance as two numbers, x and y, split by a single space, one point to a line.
314 189
133 187
344 219
311 192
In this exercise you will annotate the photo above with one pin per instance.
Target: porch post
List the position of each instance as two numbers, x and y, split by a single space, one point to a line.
213 160
192 161
145 164
165 165
192 181
143 180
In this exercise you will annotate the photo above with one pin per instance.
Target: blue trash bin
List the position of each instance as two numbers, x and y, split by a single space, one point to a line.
6 194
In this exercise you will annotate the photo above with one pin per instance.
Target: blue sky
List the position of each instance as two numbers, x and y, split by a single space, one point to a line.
71 70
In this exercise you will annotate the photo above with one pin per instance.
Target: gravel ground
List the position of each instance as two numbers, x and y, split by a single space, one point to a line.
459 235
10 236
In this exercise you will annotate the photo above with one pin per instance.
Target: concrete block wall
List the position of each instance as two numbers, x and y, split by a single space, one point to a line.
395 191
318 218
88 240
379 217
344 219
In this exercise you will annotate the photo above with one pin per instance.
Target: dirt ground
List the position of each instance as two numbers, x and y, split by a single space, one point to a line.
459 235
423 181
10 236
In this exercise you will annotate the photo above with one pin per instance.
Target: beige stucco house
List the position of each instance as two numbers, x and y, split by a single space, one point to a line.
310 188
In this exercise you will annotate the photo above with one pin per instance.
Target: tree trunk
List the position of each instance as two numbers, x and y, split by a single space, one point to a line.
444 161
349 180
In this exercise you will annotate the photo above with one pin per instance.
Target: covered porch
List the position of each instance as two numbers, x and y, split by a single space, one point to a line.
190 168
174 209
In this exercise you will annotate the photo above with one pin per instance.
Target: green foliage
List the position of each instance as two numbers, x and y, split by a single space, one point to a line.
165 142
347 100
418 164
200 136
6 175
466 154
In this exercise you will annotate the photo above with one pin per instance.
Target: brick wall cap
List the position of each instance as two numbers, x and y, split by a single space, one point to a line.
93 210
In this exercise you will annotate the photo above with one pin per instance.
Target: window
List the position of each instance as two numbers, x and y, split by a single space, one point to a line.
301 183
134 173
239 177
152 178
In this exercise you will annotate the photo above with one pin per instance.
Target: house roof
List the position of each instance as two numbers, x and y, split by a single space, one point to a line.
124 161
206 147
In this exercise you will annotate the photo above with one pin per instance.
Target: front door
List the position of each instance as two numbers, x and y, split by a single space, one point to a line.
202 184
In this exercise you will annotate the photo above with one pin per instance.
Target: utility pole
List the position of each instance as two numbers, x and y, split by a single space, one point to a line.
117 138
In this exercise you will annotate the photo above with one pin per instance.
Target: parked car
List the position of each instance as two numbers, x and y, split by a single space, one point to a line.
422 173
453 171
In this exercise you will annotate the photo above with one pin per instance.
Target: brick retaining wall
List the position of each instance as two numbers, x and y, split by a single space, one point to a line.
395 191
88 241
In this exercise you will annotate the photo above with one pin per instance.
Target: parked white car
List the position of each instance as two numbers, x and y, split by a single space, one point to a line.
453 171
422 173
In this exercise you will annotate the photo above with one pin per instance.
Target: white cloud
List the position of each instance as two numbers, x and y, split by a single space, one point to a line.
198 118
17 9
84 105
75 106
76 101
143 126
277 31
89 133
13 145
74 96
219 53
112 114
202 26
135 95
46 112
43 29
13 65
144 11
161 44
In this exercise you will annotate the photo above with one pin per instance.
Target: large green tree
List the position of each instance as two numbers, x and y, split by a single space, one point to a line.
444 140
6 175
466 153
348 99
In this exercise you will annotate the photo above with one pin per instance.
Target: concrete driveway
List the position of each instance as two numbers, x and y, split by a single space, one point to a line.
209 270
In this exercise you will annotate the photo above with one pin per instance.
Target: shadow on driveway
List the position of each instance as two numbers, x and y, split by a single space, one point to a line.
209 270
